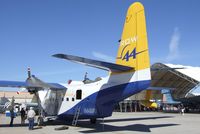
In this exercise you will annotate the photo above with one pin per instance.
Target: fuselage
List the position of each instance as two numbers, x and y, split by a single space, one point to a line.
97 99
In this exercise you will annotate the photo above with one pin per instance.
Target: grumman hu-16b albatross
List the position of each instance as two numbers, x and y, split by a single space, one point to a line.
81 100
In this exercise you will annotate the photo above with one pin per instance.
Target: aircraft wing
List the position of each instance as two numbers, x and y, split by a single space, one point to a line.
94 63
19 84
16 84
57 86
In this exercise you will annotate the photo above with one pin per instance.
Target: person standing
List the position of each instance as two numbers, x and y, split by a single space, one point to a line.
23 115
12 116
182 109
31 117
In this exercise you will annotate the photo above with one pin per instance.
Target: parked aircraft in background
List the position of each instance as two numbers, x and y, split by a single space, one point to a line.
148 102
3 103
81 100
167 98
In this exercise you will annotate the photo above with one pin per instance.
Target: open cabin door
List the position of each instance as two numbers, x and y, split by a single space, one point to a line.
51 101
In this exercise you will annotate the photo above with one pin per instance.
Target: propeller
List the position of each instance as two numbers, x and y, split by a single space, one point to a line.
29 72
34 85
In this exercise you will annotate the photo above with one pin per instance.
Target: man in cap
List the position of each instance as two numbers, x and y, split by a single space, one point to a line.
31 116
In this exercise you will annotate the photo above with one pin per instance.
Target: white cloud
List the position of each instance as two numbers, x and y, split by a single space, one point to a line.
103 57
174 53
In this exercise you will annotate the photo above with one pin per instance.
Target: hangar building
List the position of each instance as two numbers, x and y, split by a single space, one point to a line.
23 97
181 80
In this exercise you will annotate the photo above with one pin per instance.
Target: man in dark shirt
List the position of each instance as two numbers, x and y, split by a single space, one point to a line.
23 116
12 116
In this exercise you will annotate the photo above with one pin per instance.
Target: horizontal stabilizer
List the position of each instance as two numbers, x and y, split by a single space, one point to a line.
95 63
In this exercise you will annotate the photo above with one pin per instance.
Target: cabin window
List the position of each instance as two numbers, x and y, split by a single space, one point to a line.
79 94
72 99
67 99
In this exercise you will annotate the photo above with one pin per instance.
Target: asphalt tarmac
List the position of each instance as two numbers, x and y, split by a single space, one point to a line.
119 123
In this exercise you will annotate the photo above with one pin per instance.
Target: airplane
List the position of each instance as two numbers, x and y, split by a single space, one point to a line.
2 108
147 102
191 102
168 99
168 103
3 102
79 100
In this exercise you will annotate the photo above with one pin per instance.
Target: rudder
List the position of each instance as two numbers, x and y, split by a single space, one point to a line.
133 49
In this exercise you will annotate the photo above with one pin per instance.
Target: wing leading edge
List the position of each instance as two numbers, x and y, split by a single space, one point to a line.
16 84
19 84
94 63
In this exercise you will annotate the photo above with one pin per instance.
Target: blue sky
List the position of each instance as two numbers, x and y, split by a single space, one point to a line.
33 30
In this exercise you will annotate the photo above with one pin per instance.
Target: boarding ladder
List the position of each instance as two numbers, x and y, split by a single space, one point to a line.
76 115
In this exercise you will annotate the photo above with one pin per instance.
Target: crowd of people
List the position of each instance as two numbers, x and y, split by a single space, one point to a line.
25 114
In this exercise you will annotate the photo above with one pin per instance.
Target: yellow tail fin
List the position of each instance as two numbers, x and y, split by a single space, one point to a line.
133 49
